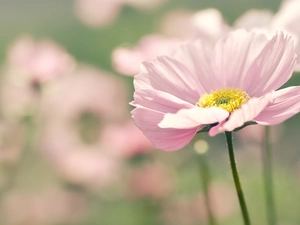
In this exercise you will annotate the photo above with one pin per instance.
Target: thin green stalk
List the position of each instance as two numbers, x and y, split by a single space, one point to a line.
267 174
236 179
205 178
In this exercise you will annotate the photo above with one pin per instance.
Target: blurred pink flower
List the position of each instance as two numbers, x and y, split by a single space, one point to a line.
87 91
97 13
125 139
127 60
210 25
223 87
101 13
192 209
178 18
48 207
207 24
41 61
151 180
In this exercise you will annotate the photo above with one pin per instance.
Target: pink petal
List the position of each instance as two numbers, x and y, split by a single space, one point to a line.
197 57
152 105
272 68
216 129
246 113
159 101
286 103
167 139
233 56
193 117
169 75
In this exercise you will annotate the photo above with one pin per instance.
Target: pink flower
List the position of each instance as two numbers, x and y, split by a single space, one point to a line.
178 18
97 13
219 88
41 61
101 13
209 24
127 60
82 157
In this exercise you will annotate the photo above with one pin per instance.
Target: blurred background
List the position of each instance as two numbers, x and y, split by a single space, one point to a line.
69 151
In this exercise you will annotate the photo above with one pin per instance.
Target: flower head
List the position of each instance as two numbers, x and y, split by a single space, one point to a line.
219 87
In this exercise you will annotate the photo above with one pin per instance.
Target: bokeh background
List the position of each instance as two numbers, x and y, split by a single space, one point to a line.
69 152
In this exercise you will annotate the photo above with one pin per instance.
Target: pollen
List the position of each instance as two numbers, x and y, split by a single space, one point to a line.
229 99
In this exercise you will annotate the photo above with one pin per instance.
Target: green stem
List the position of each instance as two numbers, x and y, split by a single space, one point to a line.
205 178
236 179
267 172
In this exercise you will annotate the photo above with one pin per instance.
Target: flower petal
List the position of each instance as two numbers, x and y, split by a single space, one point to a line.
169 75
159 101
272 68
233 56
197 57
152 105
193 117
246 113
286 103
167 139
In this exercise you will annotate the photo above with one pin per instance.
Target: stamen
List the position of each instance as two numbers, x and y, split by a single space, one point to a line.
229 99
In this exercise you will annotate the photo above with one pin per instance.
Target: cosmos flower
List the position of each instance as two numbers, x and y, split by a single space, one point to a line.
218 88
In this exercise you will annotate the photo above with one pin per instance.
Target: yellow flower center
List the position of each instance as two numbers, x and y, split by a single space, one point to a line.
229 99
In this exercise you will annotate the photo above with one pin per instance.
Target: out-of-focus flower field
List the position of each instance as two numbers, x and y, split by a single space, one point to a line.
69 150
